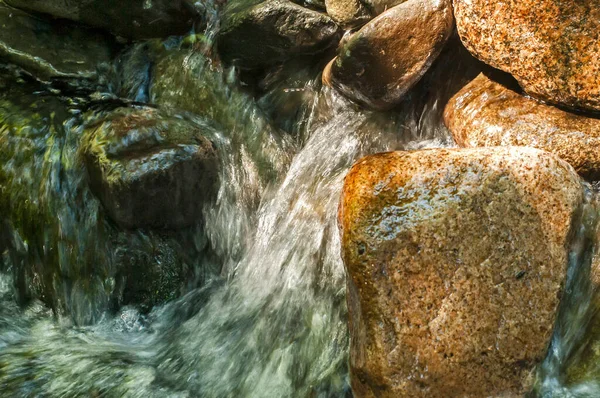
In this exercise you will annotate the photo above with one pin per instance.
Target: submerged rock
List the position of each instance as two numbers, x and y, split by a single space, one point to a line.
57 242
486 113
133 19
550 46
256 33
150 170
52 52
384 59
456 262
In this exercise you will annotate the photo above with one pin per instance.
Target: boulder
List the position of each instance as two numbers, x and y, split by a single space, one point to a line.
550 46
487 113
456 261
258 33
132 19
50 52
385 58
150 170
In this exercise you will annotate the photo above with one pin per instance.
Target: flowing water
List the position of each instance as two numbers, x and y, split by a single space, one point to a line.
263 313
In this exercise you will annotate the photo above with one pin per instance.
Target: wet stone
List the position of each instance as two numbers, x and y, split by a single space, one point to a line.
385 58
255 33
132 19
52 52
487 113
456 262
550 46
149 169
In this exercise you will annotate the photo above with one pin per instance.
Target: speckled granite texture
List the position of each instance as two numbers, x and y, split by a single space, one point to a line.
456 260
552 47
486 113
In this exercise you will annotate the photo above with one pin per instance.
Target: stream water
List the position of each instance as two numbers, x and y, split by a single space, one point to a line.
264 314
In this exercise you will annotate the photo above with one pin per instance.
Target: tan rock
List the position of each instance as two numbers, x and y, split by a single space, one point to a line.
348 13
486 113
391 53
550 46
353 13
456 261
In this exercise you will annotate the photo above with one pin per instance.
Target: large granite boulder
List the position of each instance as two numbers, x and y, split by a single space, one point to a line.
150 170
52 52
385 58
456 262
550 46
132 19
487 113
256 33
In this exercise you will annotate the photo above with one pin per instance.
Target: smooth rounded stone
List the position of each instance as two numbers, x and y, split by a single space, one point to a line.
456 261
258 33
150 170
385 58
486 113
550 46
353 13
132 19
348 13
50 51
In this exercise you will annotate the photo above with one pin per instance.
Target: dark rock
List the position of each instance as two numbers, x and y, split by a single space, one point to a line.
258 33
133 19
486 113
456 262
385 58
52 52
150 170
550 46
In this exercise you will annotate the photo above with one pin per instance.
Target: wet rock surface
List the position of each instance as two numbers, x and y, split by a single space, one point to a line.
132 19
53 52
151 170
549 46
348 13
258 33
487 113
385 58
456 262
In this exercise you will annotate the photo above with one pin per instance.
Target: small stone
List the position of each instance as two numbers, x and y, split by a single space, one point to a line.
132 19
550 46
433 242
348 13
259 33
487 113
150 170
385 58
51 52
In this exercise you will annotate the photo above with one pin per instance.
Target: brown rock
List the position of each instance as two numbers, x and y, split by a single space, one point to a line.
486 113
348 13
391 53
550 46
353 13
456 261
